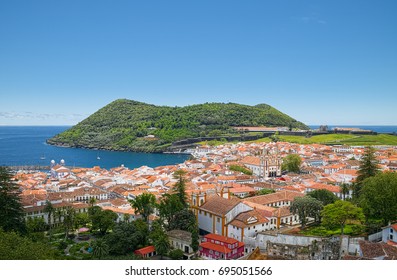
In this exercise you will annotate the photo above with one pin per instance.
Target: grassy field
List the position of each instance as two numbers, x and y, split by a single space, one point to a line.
366 140
321 139
322 231
328 139
339 139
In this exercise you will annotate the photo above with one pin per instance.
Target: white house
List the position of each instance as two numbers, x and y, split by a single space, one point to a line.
389 234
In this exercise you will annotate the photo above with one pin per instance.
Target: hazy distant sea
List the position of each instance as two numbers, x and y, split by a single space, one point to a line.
26 145
376 128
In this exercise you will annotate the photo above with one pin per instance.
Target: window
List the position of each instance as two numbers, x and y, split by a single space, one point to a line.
218 220
205 213
210 215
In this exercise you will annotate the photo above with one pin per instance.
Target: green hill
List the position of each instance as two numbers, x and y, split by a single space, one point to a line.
125 125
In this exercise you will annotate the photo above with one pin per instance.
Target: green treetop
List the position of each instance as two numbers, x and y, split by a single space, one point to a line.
11 211
368 166
292 163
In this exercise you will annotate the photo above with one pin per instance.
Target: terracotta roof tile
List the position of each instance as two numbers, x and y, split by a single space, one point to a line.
218 205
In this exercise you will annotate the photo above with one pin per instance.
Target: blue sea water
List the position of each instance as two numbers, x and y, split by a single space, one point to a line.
376 128
26 145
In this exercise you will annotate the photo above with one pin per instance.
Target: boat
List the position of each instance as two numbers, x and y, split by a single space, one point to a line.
42 157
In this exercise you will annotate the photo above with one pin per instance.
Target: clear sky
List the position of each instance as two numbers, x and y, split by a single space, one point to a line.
321 62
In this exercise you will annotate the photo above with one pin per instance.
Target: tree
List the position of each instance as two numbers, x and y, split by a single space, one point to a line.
176 254
169 205
265 191
142 232
81 220
92 201
103 220
100 248
195 239
159 238
324 196
345 189
183 220
292 163
379 197
15 247
144 205
162 244
36 224
127 237
180 186
305 207
68 220
339 213
126 218
11 211
50 210
238 168
368 166
58 215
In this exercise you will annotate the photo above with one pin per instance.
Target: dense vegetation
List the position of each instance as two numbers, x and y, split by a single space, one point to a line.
125 124
241 169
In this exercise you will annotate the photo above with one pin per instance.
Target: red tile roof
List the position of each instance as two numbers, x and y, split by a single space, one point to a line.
145 250
221 238
215 247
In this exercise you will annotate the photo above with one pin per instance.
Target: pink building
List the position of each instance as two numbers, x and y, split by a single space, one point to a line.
215 246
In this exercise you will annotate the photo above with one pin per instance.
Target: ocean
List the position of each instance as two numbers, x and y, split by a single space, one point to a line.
26 145
376 128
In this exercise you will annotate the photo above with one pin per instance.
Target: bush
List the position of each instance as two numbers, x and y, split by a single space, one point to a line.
62 245
241 169
176 254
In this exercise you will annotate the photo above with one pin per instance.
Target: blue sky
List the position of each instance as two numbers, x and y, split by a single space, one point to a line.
322 62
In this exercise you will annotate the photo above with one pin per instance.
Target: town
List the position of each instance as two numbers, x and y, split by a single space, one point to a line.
243 196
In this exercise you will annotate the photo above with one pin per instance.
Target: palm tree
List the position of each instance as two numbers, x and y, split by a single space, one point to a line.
58 215
162 245
344 189
92 201
68 220
126 218
49 209
100 248
144 205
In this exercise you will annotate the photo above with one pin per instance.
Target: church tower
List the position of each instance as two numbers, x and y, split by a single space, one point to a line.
270 164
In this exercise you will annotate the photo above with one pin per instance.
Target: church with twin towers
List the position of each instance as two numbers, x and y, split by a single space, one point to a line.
266 166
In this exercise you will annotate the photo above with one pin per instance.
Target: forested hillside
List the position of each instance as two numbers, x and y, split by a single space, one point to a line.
135 126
